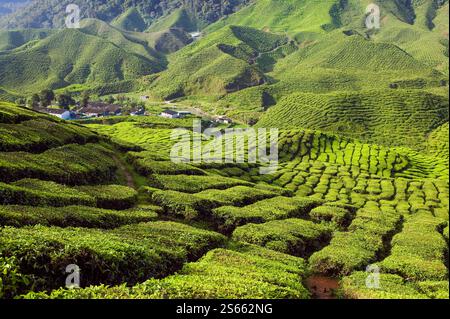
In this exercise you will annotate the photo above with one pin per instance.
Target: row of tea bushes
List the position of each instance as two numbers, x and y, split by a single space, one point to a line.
35 192
39 135
338 217
194 183
229 217
72 164
419 251
130 254
392 287
73 216
247 272
361 245
13 114
193 205
296 237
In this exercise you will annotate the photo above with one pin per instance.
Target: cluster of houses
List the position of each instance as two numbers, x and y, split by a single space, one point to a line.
95 109
101 109
172 114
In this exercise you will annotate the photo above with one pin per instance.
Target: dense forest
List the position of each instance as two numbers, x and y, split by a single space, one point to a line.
50 13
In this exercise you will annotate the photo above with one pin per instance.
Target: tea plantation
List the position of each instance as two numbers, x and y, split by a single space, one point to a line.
361 186
334 207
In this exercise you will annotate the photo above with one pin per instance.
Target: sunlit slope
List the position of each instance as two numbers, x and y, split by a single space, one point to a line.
130 20
396 117
225 61
290 16
12 39
95 54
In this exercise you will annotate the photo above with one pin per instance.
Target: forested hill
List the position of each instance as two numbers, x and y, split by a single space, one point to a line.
51 13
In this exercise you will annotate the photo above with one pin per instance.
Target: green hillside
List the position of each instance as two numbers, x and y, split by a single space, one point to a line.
180 18
361 178
130 20
13 39
395 117
93 55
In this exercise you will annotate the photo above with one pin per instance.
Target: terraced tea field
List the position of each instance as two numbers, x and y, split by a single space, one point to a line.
334 207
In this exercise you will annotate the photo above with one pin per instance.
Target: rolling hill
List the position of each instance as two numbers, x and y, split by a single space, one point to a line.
94 55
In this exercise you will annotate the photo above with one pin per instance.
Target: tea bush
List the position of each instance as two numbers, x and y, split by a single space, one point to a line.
129 254
229 217
72 216
296 237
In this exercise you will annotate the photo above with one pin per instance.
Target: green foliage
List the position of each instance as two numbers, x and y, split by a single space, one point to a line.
236 196
358 248
11 280
408 116
69 164
38 135
182 204
130 20
391 287
194 183
229 217
419 250
111 196
296 237
73 216
250 272
129 254
340 217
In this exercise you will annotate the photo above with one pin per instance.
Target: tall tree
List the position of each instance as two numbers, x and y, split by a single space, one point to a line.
65 101
35 100
46 97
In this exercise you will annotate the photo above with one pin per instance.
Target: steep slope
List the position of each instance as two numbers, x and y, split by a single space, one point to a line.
13 39
130 20
394 118
95 54
225 61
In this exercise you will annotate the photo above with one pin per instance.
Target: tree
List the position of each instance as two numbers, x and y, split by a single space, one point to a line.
21 101
85 99
111 99
34 101
65 101
46 97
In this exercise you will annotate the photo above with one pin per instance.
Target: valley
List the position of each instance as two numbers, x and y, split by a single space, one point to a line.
362 183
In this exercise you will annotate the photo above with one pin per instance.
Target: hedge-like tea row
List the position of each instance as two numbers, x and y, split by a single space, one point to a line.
296 237
73 216
148 163
236 196
390 287
111 196
419 250
337 216
12 114
360 246
229 217
249 272
35 192
52 194
129 254
194 183
71 164
182 204
39 135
